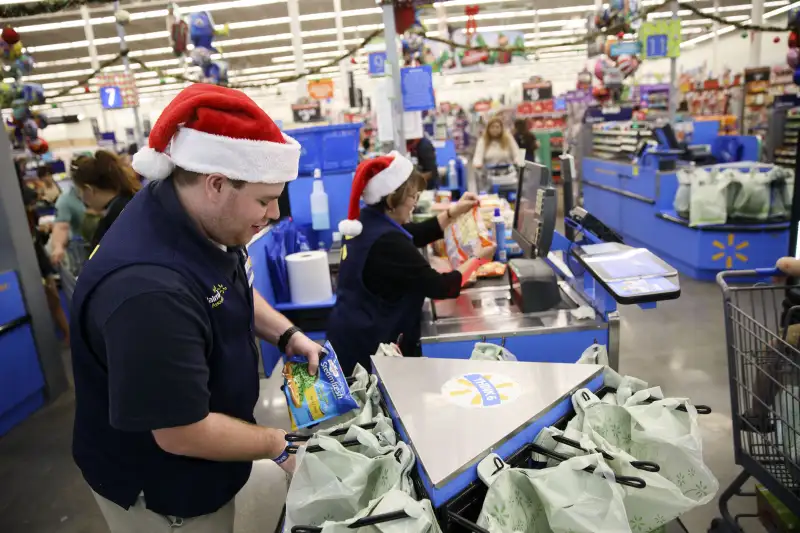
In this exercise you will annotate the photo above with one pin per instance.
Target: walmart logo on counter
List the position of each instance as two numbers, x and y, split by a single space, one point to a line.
481 390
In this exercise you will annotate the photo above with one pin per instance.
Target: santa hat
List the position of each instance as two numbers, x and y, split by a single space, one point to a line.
216 130
374 179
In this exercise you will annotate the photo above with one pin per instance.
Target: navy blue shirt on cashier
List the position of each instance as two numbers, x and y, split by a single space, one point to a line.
162 335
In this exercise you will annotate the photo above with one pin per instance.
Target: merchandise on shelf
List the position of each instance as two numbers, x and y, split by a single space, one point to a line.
786 153
757 99
618 140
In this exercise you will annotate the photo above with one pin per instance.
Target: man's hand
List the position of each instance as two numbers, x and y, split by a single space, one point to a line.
301 345
57 255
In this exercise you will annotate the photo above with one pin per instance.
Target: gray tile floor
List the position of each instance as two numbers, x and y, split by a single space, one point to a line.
679 346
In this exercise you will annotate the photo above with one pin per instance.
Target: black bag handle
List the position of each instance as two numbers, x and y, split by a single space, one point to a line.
647 466
294 437
630 481
701 409
466 524
361 522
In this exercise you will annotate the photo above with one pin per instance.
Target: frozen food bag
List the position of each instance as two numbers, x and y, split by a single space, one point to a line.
313 399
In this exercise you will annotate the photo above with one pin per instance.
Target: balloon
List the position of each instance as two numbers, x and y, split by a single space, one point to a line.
10 35
38 146
201 56
796 77
29 129
122 17
792 39
598 69
793 57
201 29
24 64
627 65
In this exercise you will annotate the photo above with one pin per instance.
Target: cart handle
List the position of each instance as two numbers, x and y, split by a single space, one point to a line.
294 437
466 524
630 481
753 273
647 466
361 522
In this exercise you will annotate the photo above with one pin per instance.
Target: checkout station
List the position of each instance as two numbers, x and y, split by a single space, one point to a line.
558 297
636 197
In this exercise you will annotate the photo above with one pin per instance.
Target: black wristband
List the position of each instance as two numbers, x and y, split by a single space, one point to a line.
283 340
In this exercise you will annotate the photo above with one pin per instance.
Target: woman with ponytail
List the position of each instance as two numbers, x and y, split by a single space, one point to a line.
105 184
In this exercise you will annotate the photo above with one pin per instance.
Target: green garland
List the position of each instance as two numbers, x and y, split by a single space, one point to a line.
44 8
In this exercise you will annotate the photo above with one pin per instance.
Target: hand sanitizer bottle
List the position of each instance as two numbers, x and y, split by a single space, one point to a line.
320 219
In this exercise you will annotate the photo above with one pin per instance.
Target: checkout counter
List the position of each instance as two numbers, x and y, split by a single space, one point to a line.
636 200
561 296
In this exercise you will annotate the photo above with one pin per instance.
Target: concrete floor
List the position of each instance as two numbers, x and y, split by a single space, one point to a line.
679 346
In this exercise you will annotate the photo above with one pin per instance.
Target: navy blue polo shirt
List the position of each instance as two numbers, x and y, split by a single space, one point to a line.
162 335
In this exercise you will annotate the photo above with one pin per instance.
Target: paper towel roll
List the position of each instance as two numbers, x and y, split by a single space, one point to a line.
309 277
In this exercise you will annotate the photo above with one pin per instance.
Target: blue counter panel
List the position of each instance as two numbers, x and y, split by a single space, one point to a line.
603 204
556 347
639 180
11 305
21 379
602 172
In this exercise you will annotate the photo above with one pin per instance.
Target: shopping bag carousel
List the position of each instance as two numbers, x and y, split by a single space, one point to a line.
494 445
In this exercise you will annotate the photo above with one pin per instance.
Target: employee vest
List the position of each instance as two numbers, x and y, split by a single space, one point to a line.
361 320
154 230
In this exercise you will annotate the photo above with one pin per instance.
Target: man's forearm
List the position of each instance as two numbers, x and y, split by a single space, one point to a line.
219 437
270 324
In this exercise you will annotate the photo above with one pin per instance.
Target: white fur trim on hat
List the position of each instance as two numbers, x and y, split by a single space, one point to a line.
388 180
152 164
238 159
350 228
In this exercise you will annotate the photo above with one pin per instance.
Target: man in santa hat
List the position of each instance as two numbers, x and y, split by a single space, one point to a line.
164 318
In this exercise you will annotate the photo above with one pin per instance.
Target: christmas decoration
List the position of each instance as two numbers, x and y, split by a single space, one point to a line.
178 31
122 17
202 33
776 40
793 53
23 126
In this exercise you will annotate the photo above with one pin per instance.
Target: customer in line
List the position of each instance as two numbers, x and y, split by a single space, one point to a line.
104 183
496 146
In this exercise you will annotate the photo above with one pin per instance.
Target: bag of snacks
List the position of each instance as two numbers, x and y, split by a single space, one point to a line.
465 237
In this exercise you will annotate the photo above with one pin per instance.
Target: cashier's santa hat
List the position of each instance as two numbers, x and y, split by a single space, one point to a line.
216 130
374 179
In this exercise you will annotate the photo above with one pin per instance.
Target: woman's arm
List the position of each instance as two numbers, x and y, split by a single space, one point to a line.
424 233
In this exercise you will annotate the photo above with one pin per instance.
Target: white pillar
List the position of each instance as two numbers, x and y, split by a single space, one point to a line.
393 71
297 45
755 37
673 76
94 61
344 65
715 43
123 47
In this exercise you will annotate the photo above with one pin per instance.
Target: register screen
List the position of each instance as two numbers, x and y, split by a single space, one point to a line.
528 215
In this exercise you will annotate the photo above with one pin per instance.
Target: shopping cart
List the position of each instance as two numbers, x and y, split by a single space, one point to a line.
499 178
762 334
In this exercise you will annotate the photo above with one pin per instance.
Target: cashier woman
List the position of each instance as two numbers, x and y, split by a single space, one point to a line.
383 279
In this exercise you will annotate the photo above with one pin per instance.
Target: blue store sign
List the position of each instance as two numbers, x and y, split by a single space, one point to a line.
111 97
377 64
416 85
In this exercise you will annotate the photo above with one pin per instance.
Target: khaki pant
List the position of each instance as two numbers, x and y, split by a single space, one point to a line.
139 519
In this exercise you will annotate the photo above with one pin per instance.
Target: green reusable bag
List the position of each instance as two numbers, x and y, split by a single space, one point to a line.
420 516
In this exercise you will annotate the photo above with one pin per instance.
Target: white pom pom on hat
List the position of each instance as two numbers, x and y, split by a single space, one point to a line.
217 130
374 179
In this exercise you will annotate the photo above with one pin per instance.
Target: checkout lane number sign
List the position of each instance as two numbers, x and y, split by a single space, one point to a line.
481 390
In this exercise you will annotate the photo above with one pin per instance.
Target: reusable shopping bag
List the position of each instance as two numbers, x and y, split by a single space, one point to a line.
336 483
420 517
648 508
561 499
683 196
781 187
750 192
659 432
486 351
709 201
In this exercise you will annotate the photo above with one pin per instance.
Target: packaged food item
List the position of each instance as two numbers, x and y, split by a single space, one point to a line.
313 399
465 237
491 270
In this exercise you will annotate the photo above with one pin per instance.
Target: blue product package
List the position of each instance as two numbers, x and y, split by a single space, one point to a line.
312 399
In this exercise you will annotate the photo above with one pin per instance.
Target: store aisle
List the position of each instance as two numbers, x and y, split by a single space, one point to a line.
679 346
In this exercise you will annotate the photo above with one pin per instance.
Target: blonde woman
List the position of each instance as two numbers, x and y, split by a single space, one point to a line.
496 146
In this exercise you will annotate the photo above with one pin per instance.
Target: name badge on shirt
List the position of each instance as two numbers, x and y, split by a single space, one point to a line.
248 269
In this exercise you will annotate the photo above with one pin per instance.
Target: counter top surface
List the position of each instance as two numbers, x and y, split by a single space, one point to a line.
457 411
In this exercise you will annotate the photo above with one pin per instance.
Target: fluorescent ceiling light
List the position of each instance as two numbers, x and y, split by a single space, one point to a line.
728 29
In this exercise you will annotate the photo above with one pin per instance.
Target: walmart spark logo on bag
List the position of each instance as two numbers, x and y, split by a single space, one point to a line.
481 390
